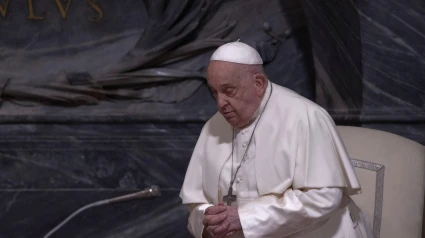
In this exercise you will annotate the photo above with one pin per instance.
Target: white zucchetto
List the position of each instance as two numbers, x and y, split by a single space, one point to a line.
237 52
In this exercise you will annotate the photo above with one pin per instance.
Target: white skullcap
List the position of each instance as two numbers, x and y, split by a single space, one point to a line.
237 52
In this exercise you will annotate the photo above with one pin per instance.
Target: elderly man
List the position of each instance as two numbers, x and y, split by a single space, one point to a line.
270 163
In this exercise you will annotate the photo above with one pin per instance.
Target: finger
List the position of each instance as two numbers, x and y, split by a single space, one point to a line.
218 236
230 233
212 220
222 229
210 229
215 210
218 219
206 220
221 204
209 220
215 235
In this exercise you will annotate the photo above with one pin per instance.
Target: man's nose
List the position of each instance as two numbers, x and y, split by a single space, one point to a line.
221 101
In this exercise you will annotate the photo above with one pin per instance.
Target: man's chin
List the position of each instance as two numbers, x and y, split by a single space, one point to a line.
231 118
232 121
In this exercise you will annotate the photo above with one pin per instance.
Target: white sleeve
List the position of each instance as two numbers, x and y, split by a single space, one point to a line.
196 217
280 216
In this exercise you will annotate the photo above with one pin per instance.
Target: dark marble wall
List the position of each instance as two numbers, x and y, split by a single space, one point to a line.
369 59
64 147
361 60
104 68
49 171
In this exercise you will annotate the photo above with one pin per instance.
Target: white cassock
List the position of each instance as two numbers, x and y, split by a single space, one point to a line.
295 181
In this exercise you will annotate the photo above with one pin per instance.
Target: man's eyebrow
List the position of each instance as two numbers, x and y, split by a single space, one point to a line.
221 86
225 85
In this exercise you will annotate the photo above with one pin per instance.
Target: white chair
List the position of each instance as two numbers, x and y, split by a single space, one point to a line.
391 170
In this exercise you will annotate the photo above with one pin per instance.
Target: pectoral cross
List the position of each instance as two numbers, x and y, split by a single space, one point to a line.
229 198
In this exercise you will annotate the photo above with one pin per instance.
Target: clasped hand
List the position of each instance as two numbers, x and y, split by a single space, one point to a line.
221 221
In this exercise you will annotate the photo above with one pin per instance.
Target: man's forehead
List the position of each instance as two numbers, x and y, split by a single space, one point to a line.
219 65
215 81
221 78
219 85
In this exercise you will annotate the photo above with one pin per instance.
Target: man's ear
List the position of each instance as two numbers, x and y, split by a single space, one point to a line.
260 82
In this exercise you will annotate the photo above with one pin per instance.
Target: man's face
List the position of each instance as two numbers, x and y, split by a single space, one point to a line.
235 90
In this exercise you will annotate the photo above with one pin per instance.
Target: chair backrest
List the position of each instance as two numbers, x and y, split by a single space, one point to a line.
391 171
